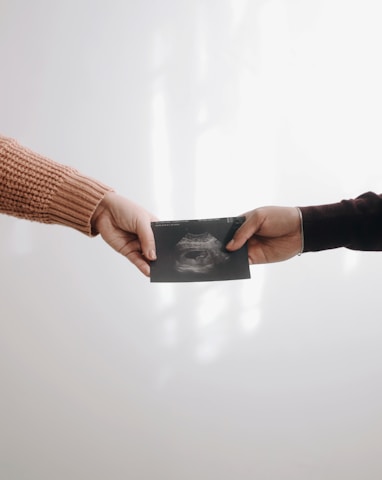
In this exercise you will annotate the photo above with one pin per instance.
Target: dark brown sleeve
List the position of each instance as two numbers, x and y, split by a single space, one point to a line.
354 224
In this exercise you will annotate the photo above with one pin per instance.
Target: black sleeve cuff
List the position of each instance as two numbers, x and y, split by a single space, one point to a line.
354 224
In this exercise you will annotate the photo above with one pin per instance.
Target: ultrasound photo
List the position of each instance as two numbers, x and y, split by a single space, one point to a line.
194 251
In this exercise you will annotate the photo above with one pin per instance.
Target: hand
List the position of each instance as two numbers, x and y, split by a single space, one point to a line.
126 227
273 234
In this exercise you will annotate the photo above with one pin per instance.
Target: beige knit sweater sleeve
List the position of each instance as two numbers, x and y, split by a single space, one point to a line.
36 188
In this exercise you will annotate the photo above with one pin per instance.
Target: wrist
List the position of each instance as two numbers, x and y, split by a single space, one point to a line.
301 231
100 212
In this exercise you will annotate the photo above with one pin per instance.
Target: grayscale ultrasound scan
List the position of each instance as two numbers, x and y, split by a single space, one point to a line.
194 251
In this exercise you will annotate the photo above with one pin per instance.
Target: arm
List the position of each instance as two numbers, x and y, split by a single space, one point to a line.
279 233
355 224
36 188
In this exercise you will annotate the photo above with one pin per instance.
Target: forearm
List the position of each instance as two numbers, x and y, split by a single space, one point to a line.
354 224
36 188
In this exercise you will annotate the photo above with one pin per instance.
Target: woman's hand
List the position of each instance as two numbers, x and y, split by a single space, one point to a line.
126 227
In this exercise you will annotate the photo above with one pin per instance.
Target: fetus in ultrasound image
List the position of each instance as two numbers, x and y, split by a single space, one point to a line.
194 251
199 253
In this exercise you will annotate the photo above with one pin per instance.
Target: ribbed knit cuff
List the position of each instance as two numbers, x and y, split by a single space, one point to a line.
36 188
75 202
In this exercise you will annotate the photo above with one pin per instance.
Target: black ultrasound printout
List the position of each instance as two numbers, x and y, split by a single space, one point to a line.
194 251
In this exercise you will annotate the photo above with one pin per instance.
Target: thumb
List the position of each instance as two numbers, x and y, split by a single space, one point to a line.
243 233
146 237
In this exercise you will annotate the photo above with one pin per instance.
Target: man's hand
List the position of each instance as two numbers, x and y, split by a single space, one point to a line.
273 234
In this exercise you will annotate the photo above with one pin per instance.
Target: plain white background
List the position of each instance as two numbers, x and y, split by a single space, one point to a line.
193 109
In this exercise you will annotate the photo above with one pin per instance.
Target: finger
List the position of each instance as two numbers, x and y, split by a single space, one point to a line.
147 240
253 252
141 263
243 233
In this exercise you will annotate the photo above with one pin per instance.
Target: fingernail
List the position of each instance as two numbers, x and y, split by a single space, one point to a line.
152 255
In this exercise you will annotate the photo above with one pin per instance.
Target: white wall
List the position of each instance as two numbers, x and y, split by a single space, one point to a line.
198 108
